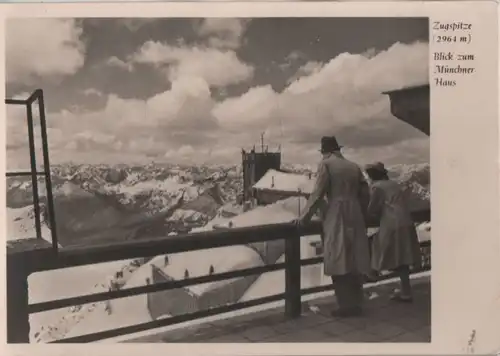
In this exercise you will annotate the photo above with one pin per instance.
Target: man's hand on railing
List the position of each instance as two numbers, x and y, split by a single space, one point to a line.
300 223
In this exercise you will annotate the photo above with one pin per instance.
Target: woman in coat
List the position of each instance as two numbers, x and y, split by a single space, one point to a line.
345 243
395 247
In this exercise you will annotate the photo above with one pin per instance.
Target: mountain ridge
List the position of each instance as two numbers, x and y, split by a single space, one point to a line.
109 204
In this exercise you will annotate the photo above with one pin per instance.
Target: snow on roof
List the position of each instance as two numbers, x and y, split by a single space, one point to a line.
133 310
267 284
274 282
285 182
282 211
223 259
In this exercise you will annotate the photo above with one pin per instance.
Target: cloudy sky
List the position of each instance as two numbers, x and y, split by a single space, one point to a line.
199 90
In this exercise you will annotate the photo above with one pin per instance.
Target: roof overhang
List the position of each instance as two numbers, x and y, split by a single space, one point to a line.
287 193
412 105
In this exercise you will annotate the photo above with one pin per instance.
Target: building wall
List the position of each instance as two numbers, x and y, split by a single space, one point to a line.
270 251
266 197
181 301
170 302
255 165
264 162
225 294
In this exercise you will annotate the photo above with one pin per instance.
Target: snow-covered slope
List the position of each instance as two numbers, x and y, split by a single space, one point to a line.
122 312
69 282
21 224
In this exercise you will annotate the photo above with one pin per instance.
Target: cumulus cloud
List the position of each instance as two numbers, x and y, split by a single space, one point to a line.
342 96
185 105
345 92
118 63
293 57
17 142
255 108
15 125
42 47
183 153
218 68
176 117
223 32
309 68
92 91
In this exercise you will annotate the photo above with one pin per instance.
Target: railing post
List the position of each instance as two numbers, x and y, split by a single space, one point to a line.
21 257
292 276
46 168
18 328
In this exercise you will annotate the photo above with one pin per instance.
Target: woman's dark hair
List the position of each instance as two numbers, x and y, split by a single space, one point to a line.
376 174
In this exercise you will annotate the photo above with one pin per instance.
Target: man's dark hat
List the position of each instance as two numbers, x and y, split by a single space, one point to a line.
329 144
377 166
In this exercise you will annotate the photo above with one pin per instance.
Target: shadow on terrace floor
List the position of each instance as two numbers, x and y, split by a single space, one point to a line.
384 321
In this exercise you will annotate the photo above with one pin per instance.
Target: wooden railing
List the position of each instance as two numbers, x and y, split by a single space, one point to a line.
25 257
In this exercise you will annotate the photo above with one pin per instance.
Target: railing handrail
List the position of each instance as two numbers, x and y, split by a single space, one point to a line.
151 288
74 256
171 284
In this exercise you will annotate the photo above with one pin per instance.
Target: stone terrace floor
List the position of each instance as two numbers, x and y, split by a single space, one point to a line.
384 321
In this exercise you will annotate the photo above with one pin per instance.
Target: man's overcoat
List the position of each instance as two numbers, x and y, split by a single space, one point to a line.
345 241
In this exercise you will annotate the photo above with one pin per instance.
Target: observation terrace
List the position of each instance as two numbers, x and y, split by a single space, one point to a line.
295 315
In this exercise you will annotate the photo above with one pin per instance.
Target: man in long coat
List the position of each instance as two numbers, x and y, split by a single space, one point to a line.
345 242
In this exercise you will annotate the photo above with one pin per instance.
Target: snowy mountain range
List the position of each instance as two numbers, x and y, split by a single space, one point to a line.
113 203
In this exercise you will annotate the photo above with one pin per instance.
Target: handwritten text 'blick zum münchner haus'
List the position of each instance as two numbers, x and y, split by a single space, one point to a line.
450 62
